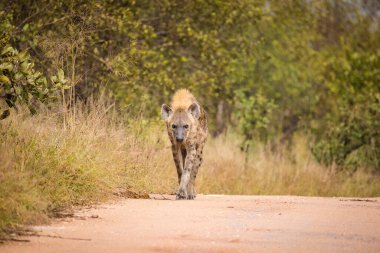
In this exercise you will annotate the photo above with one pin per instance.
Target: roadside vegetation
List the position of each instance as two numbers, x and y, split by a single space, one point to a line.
48 166
292 90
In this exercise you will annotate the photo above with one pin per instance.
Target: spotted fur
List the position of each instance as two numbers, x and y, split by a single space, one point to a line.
186 123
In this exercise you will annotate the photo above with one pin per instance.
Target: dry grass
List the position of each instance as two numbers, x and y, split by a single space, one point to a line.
290 172
48 165
225 170
54 161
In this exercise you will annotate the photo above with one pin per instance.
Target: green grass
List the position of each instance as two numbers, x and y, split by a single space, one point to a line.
54 161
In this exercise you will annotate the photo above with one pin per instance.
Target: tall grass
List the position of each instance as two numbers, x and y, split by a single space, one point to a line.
226 170
290 171
55 160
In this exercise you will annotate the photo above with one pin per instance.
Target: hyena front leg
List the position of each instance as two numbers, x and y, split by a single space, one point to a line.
177 156
189 164
191 193
190 188
197 163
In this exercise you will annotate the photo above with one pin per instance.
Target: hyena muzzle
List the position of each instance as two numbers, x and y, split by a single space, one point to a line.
186 123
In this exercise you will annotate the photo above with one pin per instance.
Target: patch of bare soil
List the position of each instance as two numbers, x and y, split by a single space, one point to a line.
214 223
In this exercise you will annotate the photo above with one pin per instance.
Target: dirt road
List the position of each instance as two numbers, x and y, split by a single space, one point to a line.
216 224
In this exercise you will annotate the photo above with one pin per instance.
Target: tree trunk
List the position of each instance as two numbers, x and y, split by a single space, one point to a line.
220 122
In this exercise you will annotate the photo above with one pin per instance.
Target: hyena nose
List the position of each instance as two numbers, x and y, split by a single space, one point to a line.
179 139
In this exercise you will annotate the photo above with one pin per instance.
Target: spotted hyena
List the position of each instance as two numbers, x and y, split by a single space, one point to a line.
186 123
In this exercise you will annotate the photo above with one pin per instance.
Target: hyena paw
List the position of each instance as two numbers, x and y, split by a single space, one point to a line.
191 196
181 194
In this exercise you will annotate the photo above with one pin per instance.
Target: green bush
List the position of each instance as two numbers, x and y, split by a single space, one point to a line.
21 83
351 136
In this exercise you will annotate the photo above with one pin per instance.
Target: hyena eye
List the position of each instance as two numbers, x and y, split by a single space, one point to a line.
174 126
186 126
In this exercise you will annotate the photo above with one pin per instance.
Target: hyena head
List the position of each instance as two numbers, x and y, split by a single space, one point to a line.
180 121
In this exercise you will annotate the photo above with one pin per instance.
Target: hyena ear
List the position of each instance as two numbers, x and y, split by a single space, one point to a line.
194 110
166 111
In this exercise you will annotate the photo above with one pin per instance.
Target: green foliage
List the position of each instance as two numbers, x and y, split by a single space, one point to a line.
183 45
326 84
280 68
313 63
21 83
253 116
352 135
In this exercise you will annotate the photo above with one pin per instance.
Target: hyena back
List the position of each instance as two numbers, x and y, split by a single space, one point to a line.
186 123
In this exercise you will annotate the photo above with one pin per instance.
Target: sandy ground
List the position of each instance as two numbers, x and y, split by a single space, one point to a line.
215 223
